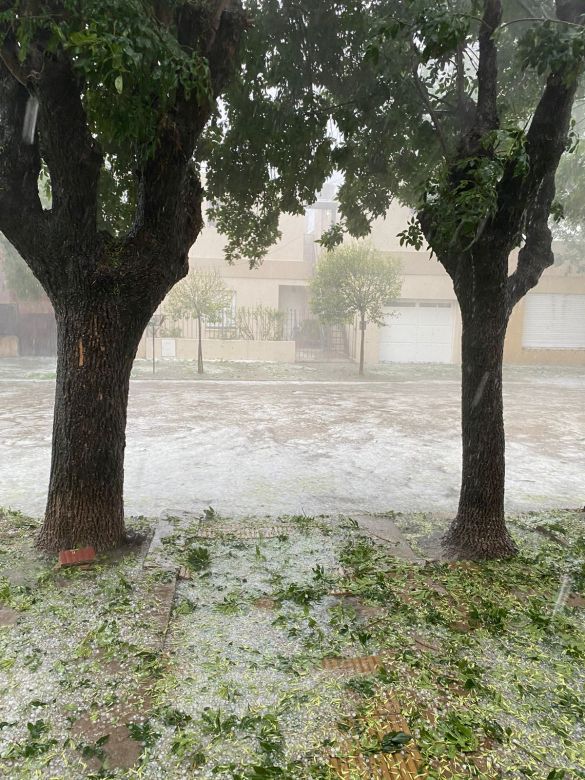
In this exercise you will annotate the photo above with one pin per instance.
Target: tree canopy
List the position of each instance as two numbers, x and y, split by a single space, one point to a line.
383 91
147 75
380 91
354 279
202 293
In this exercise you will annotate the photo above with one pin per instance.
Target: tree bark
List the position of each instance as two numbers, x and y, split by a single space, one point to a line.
96 346
479 530
199 347
362 343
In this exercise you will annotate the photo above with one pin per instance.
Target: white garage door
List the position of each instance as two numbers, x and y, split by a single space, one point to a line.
417 332
554 321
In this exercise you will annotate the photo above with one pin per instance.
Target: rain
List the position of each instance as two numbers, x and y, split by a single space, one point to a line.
30 120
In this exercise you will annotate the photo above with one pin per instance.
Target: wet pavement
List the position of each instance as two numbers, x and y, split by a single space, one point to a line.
273 447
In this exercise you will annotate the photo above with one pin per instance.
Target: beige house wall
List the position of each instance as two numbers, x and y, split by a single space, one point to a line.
224 349
255 286
8 346
435 288
291 262
210 244
254 291
385 230
286 263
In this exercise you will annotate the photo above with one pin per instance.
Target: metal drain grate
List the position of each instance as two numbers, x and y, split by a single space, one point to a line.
404 765
363 665
381 767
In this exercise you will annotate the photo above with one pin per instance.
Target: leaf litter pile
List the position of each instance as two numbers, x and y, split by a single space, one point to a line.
288 646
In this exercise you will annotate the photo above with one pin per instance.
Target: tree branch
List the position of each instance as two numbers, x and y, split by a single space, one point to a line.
536 255
170 192
61 138
21 215
72 154
433 114
222 48
66 143
9 56
449 261
530 199
487 75
533 195
460 78
466 107
222 5
571 11
529 11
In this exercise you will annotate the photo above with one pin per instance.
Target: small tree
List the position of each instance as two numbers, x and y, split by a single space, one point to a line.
354 279
203 296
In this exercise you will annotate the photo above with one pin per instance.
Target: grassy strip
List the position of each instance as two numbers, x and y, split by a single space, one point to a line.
490 678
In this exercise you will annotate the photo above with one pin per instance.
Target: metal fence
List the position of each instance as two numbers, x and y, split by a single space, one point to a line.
314 341
250 324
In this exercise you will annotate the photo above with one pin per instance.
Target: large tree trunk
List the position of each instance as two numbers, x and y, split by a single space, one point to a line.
479 530
97 342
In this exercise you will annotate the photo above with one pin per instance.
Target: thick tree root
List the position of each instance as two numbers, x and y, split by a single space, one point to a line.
52 543
465 541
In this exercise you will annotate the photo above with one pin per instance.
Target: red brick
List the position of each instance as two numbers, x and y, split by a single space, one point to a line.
76 557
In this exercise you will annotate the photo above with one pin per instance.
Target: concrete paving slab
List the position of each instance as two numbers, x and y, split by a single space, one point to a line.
384 530
156 556
8 616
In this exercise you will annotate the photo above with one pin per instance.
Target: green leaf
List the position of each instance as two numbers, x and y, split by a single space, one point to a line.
394 741
119 84
143 733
